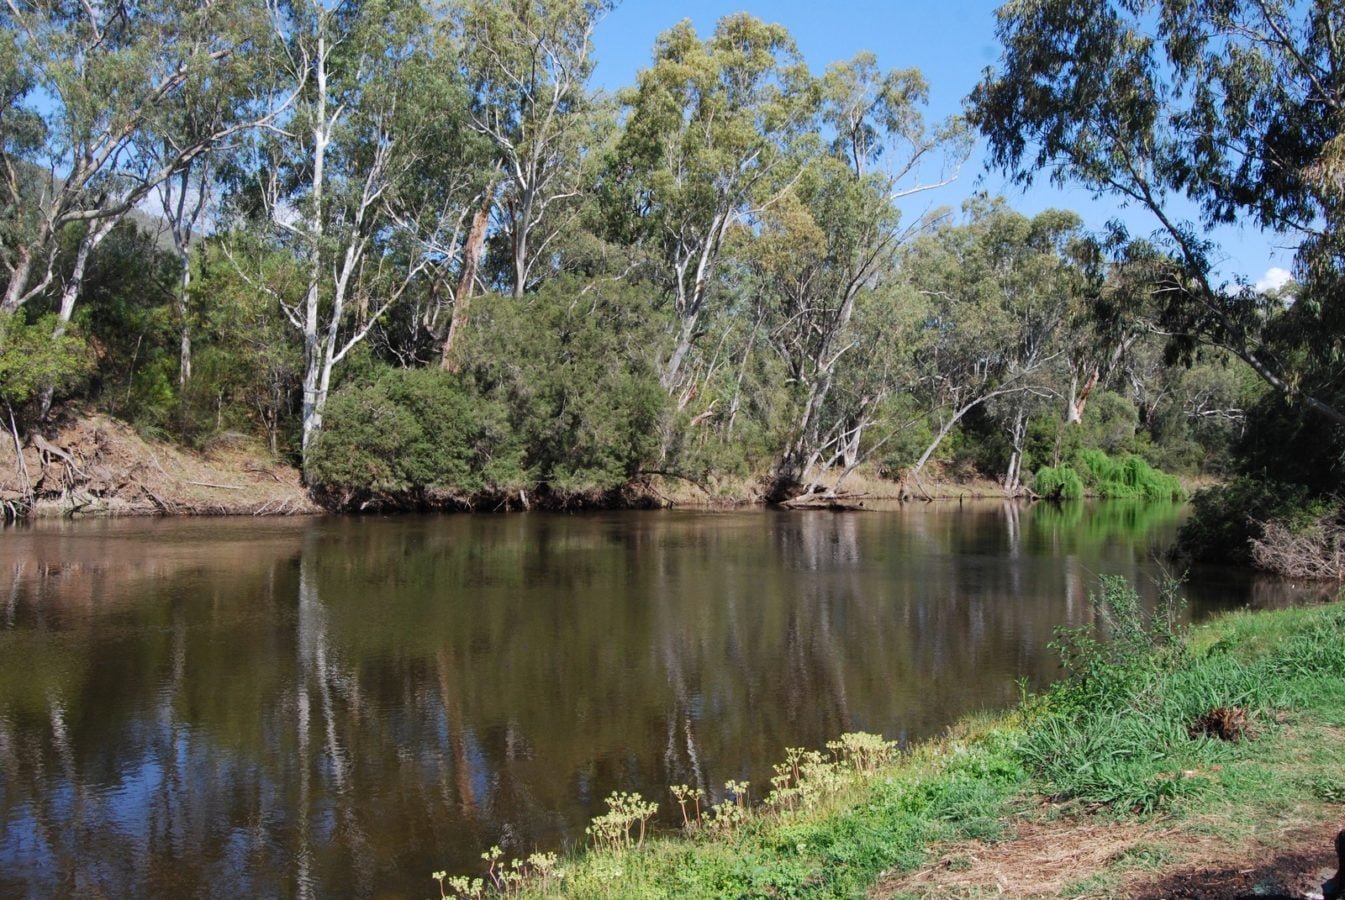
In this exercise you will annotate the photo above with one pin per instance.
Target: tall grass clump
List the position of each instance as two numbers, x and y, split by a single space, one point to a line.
1136 712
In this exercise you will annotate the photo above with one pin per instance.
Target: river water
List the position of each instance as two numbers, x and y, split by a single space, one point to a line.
339 706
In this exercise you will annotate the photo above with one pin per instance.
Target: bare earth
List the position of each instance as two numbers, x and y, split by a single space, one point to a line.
98 466
1150 860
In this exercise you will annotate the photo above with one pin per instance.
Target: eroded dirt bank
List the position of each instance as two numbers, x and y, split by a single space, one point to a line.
94 465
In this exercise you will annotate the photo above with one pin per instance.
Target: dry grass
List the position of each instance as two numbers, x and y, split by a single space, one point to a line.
1084 858
1040 859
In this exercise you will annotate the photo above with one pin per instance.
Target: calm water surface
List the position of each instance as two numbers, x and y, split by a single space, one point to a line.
325 707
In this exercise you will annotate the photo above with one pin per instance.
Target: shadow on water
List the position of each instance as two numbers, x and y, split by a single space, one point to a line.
343 705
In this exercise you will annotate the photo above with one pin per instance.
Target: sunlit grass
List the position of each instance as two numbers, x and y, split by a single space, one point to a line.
1122 736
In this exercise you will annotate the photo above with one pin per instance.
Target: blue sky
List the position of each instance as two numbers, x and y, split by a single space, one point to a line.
951 42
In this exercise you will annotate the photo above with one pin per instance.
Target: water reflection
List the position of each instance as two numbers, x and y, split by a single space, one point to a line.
341 706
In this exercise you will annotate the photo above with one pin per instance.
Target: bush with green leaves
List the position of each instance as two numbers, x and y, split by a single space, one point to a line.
411 437
572 367
1061 483
1226 518
1128 478
31 359
555 402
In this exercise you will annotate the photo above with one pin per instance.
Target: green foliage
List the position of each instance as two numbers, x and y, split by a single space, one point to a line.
1209 101
572 369
1050 441
1096 473
1130 478
1226 517
31 359
1061 483
1110 423
624 824
408 436
558 417
1115 730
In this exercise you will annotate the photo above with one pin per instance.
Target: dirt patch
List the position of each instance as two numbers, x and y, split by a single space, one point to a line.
95 465
1041 859
1153 861
1294 864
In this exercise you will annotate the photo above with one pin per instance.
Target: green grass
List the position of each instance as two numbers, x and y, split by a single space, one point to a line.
1114 738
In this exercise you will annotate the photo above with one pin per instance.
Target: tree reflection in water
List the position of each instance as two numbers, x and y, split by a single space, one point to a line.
344 705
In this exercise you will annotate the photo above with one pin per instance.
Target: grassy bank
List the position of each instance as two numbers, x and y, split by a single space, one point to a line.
1160 749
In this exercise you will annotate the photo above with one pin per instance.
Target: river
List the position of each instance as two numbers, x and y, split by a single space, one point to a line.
334 706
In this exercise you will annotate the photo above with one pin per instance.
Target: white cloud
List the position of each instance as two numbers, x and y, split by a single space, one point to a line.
1274 279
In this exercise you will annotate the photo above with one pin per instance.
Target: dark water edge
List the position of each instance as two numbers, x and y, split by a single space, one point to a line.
341 705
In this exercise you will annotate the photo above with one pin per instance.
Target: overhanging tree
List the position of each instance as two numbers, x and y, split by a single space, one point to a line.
1235 107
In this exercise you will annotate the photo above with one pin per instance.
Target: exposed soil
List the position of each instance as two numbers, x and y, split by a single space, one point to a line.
94 465
1150 861
1291 864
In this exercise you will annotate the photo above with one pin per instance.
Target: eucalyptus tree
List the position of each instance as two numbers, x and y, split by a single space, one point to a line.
92 92
711 134
1045 266
336 183
833 234
528 62
1235 108
998 288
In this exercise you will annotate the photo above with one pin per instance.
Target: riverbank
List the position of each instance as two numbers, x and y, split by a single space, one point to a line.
98 466
94 465
1210 766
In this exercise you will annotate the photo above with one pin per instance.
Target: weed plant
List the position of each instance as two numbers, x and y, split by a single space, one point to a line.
833 821
1128 727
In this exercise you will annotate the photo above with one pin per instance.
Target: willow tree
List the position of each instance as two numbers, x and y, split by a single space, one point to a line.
710 132
1235 108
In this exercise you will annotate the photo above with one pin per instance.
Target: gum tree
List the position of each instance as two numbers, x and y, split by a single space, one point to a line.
92 95
710 134
528 62
333 185
1234 107
997 287
832 236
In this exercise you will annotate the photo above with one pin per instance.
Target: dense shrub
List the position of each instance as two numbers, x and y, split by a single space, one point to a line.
1058 483
410 434
553 402
30 359
1226 518
577 384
